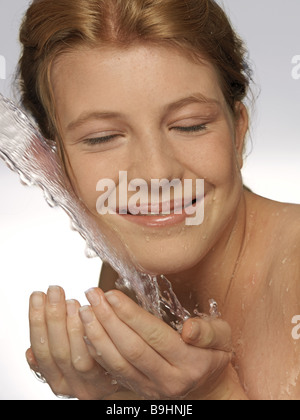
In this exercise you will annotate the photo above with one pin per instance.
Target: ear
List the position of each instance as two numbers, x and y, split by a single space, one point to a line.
241 128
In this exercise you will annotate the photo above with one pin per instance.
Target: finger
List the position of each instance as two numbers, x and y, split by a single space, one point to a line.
130 345
56 318
105 351
39 338
80 356
211 334
90 379
156 333
31 360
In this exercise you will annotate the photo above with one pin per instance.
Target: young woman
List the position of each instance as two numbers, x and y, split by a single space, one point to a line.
156 88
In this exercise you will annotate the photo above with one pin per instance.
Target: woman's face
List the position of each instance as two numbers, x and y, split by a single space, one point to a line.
153 114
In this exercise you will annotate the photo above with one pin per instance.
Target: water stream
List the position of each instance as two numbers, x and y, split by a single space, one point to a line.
35 159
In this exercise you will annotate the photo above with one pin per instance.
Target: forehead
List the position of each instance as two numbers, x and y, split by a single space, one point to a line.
140 73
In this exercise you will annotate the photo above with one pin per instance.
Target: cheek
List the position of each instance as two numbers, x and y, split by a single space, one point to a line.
221 166
212 159
85 185
85 173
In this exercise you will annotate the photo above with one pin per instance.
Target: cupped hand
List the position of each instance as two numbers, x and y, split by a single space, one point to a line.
148 357
58 351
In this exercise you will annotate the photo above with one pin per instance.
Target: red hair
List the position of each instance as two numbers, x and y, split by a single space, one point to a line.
198 27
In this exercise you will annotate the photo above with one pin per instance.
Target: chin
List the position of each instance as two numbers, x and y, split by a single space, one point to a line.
165 261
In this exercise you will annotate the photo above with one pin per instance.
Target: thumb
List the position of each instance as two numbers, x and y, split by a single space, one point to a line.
207 334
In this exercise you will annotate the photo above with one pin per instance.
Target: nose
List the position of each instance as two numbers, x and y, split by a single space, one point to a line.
154 157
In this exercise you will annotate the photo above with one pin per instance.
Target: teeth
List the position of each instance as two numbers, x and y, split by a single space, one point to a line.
153 214
158 214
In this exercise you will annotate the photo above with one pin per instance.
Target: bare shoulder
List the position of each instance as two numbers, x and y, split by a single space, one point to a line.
275 234
280 224
279 220
289 224
289 239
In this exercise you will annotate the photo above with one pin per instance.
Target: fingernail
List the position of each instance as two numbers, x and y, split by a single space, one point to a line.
54 295
93 297
37 300
195 331
71 308
112 299
86 314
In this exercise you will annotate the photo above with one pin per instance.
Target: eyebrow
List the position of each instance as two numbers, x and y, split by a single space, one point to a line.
96 115
194 98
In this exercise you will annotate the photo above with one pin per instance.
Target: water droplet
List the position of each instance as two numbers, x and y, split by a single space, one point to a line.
74 226
49 199
78 359
90 253
63 397
213 311
25 181
8 162
54 148
147 238
42 340
39 377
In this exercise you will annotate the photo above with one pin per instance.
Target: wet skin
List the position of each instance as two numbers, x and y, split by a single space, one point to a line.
245 255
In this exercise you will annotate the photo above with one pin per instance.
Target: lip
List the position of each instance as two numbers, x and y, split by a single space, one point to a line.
160 220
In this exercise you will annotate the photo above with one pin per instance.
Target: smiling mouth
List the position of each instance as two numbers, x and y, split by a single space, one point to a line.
158 210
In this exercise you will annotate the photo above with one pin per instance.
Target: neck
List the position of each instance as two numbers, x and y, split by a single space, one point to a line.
213 277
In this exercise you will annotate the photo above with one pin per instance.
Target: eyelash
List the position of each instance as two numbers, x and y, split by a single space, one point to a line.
99 140
107 139
191 129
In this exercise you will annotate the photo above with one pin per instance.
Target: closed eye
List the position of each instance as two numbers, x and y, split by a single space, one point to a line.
106 139
191 129
100 140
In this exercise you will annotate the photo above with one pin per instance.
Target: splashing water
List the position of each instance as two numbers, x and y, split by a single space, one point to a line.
35 159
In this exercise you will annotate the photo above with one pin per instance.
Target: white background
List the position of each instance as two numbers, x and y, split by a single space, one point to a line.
37 247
